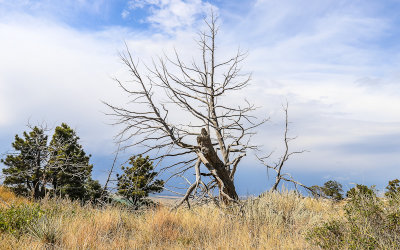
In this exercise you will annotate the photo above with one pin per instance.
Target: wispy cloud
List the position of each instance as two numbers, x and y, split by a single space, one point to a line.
322 52
171 14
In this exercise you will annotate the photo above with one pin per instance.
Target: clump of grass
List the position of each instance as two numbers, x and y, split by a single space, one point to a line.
166 225
47 230
277 218
286 209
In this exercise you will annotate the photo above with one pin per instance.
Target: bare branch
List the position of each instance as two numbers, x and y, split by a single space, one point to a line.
278 166
197 90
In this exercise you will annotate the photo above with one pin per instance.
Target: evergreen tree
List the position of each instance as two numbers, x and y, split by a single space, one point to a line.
63 165
94 191
137 180
72 171
333 190
25 170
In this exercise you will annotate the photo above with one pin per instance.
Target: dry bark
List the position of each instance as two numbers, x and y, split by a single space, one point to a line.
217 168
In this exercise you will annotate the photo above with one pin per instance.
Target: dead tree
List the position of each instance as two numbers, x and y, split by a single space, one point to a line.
110 172
278 166
211 132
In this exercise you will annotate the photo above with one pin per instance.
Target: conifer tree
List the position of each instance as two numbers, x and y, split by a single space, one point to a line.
333 190
25 170
73 170
60 167
137 180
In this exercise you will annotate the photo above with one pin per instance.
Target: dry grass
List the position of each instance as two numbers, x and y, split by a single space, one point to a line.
8 197
274 221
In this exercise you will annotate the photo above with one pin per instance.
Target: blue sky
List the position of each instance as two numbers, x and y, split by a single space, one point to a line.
336 62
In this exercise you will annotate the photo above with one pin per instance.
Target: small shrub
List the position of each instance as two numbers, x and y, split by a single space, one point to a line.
360 189
393 188
330 235
16 219
369 223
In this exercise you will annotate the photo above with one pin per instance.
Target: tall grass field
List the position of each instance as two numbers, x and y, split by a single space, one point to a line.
275 220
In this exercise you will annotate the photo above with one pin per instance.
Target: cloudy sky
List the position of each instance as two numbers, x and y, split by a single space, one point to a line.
336 62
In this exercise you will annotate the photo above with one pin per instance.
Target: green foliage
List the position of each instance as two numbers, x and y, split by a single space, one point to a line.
333 190
369 223
393 188
365 215
330 189
17 219
25 170
93 190
137 180
73 169
60 168
330 235
360 189
316 191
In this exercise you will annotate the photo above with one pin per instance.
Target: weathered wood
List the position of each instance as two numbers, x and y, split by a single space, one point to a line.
213 163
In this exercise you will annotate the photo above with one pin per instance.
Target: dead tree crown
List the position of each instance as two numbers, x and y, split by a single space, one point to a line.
197 89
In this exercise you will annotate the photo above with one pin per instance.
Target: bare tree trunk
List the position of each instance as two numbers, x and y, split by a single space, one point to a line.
103 192
217 168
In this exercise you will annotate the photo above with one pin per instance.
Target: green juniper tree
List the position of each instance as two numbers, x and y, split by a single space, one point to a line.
94 191
333 190
73 170
137 180
25 170
61 167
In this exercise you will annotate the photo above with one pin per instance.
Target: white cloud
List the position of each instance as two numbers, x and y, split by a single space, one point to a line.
135 4
52 73
171 14
125 14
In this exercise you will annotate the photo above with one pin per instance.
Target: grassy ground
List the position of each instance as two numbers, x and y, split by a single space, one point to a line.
274 221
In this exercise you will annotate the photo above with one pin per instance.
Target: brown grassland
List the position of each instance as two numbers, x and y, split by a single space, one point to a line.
274 221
